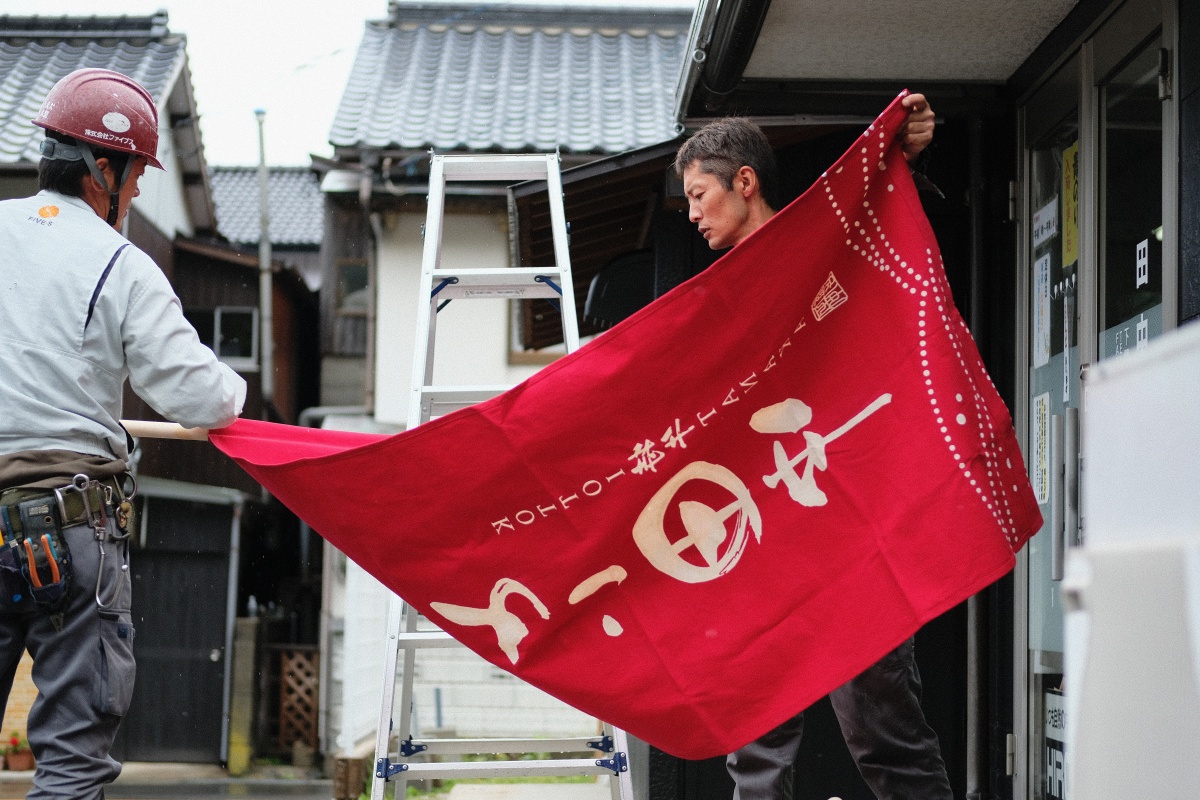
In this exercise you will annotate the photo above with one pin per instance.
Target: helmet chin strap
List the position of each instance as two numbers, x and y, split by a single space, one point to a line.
114 194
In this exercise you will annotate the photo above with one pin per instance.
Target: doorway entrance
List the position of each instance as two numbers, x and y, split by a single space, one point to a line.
1099 278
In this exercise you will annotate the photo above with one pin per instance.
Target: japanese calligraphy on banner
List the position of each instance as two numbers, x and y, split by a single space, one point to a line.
721 509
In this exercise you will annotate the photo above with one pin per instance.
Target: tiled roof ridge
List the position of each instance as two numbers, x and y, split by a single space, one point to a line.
272 169
640 17
92 27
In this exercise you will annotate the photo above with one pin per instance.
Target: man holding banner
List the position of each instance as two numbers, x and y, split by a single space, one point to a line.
732 503
83 309
731 181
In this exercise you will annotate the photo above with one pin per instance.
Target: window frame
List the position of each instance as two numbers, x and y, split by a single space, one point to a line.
237 363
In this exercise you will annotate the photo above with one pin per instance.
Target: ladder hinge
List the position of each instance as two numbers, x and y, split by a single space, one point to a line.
1010 755
385 769
1164 74
1013 195
618 763
445 282
410 748
604 744
547 280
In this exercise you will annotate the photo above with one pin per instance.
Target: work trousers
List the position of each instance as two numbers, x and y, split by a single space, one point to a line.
880 714
82 666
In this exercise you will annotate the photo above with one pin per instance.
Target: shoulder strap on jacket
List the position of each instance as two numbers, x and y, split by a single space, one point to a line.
100 284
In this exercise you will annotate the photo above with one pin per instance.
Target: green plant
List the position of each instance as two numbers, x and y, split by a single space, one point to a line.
16 743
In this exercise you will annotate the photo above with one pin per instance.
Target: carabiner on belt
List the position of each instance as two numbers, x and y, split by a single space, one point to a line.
99 521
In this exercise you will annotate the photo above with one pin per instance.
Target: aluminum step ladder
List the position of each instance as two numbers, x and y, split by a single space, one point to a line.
407 631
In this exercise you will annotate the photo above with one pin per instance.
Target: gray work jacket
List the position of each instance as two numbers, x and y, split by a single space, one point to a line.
69 339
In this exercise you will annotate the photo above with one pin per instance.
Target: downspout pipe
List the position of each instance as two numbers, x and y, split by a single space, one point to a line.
375 221
370 161
719 47
735 33
699 37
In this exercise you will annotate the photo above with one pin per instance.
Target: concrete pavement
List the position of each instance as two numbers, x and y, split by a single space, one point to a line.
140 781
531 791
146 781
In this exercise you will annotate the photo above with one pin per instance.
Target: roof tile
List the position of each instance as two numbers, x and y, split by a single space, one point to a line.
295 205
29 67
477 78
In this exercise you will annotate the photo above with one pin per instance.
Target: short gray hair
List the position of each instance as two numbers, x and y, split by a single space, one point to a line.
724 146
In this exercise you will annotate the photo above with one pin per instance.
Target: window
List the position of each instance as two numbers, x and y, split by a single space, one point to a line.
352 287
350 313
231 332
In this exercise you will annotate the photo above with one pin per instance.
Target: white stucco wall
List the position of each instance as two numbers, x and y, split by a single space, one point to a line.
471 698
359 663
161 199
455 692
472 335
474 697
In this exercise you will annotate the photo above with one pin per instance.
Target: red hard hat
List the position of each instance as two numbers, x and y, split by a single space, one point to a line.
104 109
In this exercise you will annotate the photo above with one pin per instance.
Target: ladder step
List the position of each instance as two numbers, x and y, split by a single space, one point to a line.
439 285
496 168
425 639
496 275
505 769
444 399
464 746
518 282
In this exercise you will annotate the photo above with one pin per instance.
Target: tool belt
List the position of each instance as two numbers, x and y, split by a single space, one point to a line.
35 560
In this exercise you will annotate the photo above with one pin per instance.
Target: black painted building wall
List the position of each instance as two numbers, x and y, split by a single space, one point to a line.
824 767
1188 91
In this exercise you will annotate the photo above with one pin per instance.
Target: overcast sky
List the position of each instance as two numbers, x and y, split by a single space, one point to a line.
289 57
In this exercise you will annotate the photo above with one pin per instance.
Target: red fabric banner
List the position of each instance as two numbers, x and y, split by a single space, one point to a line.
723 508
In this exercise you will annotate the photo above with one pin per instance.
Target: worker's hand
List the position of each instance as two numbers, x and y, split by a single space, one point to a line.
917 131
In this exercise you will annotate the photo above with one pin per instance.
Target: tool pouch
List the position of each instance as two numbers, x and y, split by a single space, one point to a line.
42 553
13 586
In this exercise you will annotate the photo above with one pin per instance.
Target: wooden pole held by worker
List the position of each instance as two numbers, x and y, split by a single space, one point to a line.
146 429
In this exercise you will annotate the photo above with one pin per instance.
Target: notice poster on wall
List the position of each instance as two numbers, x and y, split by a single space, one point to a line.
1056 753
1041 311
1045 223
1070 206
1068 317
1039 464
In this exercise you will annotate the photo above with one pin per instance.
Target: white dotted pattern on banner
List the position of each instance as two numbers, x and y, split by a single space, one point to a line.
926 283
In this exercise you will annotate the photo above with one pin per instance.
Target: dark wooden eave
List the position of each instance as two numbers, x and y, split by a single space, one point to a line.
609 204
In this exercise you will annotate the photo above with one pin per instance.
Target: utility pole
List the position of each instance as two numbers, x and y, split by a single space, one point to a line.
266 339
